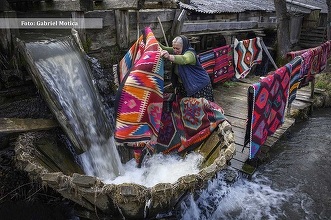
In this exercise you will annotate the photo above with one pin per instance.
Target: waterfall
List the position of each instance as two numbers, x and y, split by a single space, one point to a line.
66 83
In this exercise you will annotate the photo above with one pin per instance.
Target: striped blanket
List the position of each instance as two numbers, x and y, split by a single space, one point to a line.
294 66
247 53
207 60
267 101
224 69
188 124
218 63
311 65
130 58
314 61
139 98
292 54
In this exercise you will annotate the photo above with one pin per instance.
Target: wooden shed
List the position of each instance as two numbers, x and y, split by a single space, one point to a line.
209 20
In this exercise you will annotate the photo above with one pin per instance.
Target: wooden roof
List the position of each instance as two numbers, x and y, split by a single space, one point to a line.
236 6
227 6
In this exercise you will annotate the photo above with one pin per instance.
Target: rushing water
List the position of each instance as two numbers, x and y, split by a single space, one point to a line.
159 168
66 76
295 184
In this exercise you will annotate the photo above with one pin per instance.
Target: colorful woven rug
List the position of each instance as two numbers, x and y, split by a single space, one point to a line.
294 66
139 98
306 67
130 58
190 122
207 60
247 53
313 67
224 69
292 54
267 101
325 55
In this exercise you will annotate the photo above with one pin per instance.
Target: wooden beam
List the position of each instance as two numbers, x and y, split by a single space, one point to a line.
178 23
122 28
268 54
189 27
164 36
17 125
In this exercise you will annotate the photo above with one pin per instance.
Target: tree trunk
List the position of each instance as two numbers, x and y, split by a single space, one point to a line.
283 29
328 2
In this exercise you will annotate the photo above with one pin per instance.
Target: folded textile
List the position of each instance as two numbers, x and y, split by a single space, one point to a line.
223 69
247 53
190 122
267 101
139 99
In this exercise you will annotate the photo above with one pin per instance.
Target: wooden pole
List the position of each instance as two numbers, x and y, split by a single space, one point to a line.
268 54
165 38
138 21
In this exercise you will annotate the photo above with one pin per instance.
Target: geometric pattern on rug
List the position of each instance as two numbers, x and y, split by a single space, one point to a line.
246 54
267 100
139 99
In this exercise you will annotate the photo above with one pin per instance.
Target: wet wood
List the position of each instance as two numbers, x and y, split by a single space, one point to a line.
233 100
16 125
56 158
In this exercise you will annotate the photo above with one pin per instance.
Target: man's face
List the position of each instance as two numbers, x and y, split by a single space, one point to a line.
177 48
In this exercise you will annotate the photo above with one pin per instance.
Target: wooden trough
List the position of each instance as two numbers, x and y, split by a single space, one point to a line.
126 200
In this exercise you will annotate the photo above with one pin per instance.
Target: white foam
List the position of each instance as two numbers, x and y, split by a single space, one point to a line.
244 199
159 168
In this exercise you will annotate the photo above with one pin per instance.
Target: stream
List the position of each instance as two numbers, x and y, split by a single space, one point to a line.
294 184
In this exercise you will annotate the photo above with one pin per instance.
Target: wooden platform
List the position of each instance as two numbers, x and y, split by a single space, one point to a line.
233 99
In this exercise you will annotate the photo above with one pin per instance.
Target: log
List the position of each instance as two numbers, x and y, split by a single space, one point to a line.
17 125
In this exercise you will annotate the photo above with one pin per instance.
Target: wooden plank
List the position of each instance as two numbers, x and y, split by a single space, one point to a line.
16 125
231 105
239 130
297 104
243 167
122 28
115 4
241 156
178 23
239 115
239 89
236 164
151 16
202 26
237 122
240 96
